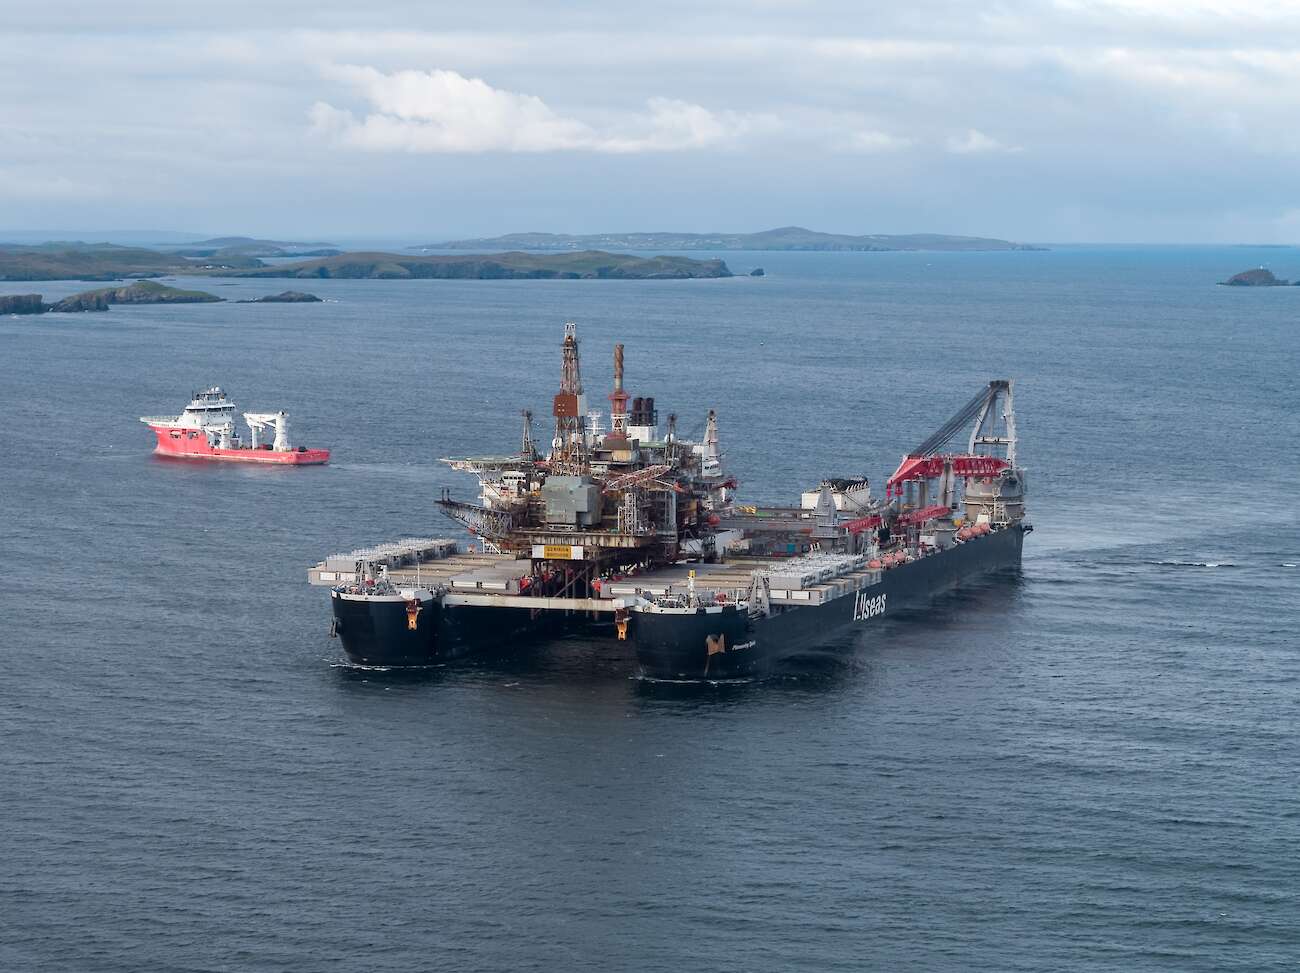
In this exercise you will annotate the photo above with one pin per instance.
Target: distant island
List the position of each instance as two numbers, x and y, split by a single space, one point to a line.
145 292
106 261
782 238
76 260
586 265
141 292
525 256
284 297
86 261
229 247
1259 277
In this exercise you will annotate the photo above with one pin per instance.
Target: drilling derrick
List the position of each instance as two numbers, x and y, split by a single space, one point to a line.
569 448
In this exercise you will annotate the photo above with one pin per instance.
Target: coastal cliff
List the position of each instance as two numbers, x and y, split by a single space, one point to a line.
22 304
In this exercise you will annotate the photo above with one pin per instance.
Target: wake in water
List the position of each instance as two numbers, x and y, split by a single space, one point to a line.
1194 564
418 473
656 681
356 667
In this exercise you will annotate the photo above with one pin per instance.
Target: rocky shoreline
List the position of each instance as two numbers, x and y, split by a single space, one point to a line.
141 292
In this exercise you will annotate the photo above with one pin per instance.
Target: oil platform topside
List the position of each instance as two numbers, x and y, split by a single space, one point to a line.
600 502
634 522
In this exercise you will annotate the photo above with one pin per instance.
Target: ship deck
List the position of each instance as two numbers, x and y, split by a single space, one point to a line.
493 580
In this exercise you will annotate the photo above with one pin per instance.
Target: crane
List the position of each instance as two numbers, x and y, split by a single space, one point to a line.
479 521
647 477
277 421
927 462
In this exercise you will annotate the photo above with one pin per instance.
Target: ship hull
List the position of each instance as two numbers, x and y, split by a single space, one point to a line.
193 444
378 630
720 643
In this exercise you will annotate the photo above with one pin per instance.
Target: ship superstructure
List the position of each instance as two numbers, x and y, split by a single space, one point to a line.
641 528
207 429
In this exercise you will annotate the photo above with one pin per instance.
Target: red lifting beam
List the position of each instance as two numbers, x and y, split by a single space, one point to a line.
922 515
929 467
863 523
904 519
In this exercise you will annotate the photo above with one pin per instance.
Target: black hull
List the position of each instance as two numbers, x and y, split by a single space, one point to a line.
377 632
677 646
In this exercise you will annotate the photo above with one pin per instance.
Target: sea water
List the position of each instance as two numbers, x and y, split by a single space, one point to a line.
1092 766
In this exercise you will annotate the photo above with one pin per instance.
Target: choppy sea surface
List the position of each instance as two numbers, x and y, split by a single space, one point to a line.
1091 767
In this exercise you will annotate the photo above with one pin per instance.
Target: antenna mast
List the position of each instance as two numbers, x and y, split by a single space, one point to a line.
618 403
526 448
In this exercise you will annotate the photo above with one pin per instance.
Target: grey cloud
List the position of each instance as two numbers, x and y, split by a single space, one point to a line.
1033 120
445 112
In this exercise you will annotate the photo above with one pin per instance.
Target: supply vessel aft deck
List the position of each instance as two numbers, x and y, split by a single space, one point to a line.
641 530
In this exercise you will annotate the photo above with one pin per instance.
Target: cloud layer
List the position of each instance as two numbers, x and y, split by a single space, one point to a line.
443 111
1072 119
975 142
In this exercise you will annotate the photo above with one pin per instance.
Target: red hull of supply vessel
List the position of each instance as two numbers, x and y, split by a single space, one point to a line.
194 445
206 430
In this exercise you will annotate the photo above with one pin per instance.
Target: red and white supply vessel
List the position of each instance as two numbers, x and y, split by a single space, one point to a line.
206 430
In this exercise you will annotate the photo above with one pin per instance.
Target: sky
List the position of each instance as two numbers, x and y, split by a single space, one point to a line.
1122 121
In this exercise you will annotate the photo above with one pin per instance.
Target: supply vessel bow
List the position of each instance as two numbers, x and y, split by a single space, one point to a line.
640 528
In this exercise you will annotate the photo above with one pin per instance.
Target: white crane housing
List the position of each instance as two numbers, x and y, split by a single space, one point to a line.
277 421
